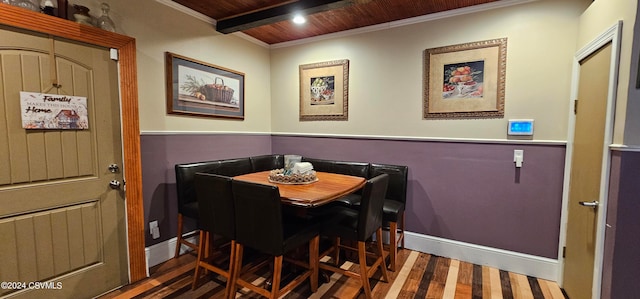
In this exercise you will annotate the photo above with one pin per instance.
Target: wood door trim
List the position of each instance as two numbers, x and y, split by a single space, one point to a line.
38 22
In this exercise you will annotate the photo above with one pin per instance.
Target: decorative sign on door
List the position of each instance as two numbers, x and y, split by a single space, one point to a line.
53 111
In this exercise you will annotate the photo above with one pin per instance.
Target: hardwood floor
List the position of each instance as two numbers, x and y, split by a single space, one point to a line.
419 275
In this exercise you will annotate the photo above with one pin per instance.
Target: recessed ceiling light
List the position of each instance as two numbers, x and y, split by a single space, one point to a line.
298 19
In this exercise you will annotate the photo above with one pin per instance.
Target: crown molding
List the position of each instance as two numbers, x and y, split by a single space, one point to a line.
251 39
188 11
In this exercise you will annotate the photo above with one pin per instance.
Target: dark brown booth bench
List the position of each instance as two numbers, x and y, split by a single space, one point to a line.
394 204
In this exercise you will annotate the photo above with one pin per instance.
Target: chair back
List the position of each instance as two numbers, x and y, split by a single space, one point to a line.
185 183
370 215
215 204
258 217
398 177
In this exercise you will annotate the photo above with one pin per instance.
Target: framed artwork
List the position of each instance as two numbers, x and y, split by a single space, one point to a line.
202 89
465 80
324 90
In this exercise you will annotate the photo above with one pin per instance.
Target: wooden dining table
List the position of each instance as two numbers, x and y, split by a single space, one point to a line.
327 188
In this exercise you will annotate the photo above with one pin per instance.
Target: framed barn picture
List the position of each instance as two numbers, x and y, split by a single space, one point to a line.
202 89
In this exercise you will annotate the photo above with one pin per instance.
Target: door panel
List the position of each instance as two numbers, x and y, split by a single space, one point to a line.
77 233
586 173
59 220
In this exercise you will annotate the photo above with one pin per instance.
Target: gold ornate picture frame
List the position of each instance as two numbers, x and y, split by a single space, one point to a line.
465 80
324 90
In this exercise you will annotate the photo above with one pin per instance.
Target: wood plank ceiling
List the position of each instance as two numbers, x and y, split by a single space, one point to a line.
269 20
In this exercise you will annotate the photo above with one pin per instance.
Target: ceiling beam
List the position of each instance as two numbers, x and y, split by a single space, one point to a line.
278 13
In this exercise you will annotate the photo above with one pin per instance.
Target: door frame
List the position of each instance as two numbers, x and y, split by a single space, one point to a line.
21 18
613 35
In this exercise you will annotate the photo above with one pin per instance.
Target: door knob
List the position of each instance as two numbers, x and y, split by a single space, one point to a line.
114 184
590 204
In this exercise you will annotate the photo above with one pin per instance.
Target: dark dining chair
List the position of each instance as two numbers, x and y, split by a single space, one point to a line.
186 193
352 225
394 206
262 226
217 218
187 201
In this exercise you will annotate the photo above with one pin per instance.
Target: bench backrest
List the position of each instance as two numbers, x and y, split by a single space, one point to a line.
398 176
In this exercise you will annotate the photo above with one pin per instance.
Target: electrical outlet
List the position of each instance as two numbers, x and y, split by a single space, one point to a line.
153 224
154 230
518 157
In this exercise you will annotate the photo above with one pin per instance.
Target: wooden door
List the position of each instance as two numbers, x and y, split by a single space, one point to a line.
586 173
60 221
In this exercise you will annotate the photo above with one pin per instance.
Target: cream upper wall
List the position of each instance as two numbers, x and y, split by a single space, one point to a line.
157 29
600 16
386 76
386 69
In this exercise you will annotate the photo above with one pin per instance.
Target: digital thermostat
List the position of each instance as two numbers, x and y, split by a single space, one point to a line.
523 127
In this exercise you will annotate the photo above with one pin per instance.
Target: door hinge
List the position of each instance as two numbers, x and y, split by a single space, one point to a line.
564 251
575 106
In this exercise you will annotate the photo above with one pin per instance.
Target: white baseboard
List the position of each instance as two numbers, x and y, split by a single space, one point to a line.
526 264
164 251
516 262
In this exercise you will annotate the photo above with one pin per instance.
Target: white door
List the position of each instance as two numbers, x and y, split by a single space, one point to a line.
60 221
